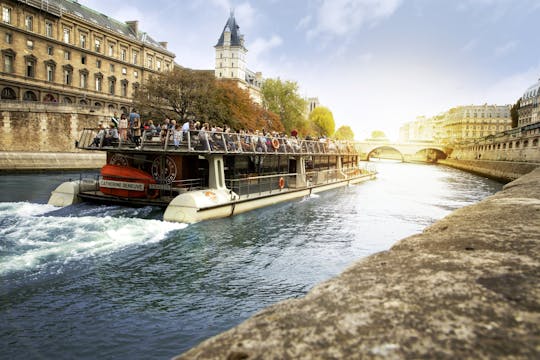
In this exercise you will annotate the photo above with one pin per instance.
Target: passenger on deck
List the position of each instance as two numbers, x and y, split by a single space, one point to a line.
123 126
100 136
111 136
204 139
177 136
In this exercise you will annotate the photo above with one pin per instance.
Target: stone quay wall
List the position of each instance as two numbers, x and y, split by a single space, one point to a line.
36 127
500 170
466 287
38 136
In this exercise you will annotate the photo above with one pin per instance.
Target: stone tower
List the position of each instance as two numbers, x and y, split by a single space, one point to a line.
231 53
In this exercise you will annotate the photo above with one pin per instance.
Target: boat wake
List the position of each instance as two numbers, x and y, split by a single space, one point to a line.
37 236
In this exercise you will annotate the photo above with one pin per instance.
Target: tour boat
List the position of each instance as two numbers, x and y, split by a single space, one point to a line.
211 174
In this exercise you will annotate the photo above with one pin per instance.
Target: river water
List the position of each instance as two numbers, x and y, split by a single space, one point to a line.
88 281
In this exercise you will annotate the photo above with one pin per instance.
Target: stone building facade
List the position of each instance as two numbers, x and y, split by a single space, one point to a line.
60 51
529 112
465 123
231 60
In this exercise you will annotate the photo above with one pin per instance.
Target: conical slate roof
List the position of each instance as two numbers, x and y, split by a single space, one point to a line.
234 29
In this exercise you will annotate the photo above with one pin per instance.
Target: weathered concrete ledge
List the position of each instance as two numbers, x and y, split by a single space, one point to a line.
467 287
39 161
499 170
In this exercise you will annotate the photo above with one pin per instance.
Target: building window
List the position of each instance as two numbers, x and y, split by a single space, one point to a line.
9 38
124 87
99 79
50 50
67 35
135 57
112 85
29 23
158 65
68 74
124 71
111 68
50 67
67 55
83 59
123 54
135 74
6 15
9 59
98 63
111 49
82 40
30 62
30 44
84 79
149 62
48 29
97 44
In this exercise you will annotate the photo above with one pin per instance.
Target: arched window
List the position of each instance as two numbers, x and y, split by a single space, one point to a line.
49 98
83 102
8 94
67 100
29 96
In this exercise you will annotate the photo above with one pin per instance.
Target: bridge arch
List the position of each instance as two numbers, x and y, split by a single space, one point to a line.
373 151
432 153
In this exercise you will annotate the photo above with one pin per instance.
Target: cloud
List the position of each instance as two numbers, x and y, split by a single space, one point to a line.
339 17
261 45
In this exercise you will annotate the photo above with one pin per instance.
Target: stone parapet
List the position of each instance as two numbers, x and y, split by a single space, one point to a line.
466 287
36 161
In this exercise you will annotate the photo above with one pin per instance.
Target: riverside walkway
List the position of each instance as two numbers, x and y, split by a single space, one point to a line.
466 287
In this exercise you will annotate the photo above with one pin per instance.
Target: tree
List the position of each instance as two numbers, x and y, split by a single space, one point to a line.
182 91
233 106
282 98
378 135
344 133
514 115
323 121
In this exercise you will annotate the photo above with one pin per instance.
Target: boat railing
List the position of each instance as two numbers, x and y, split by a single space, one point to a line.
211 142
272 184
261 185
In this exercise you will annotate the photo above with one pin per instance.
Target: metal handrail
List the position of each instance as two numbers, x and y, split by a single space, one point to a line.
219 143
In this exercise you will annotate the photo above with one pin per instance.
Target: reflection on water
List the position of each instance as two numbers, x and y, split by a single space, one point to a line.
91 281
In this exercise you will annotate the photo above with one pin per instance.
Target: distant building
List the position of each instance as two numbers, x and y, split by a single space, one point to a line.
61 51
464 123
529 112
231 60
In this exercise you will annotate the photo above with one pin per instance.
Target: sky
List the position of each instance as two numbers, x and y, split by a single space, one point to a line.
376 64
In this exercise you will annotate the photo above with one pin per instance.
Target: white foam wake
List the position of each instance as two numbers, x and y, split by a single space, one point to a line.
29 241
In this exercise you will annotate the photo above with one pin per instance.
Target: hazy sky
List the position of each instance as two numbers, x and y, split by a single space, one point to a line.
375 64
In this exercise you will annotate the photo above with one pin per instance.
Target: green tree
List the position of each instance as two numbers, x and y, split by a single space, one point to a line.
282 98
322 121
378 134
344 133
183 92
514 115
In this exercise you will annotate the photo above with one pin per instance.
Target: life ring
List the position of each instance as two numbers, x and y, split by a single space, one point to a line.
152 195
275 143
281 183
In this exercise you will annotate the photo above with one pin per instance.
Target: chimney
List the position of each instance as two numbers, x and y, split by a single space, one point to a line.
133 26
163 44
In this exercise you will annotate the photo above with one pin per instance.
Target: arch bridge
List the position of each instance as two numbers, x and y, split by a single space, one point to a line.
421 151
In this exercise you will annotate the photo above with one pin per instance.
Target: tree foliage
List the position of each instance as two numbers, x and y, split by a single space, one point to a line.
282 98
344 133
322 121
183 92
514 115
378 134
234 107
